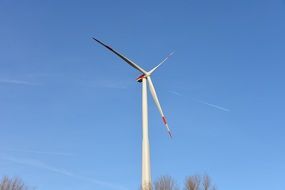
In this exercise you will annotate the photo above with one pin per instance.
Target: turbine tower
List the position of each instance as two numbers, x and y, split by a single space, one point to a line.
145 79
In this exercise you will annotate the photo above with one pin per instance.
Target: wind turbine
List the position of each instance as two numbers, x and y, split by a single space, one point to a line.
144 78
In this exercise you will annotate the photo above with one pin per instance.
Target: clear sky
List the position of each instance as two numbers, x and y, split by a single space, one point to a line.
70 111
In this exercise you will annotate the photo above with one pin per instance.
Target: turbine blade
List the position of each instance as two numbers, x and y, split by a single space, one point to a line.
155 98
131 63
169 55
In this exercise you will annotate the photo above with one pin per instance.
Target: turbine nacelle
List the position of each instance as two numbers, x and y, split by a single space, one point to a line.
139 79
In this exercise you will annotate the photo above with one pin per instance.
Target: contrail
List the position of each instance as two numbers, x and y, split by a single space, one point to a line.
105 84
41 165
17 82
213 105
38 152
37 164
175 93
203 102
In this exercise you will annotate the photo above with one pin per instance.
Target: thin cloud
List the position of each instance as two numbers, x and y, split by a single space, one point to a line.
17 82
41 165
38 152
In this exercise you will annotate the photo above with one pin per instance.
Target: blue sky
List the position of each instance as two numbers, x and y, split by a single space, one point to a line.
70 111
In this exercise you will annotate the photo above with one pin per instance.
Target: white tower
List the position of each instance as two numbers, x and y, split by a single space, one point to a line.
146 172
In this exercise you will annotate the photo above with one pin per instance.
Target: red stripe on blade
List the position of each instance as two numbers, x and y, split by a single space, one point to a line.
164 120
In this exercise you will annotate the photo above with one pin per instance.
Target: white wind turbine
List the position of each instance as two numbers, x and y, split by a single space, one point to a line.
146 171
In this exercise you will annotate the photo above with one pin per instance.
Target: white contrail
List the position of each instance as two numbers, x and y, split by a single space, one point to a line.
37 164
175 93
41 165
17 82
37 152
213 105
111 84
203 102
